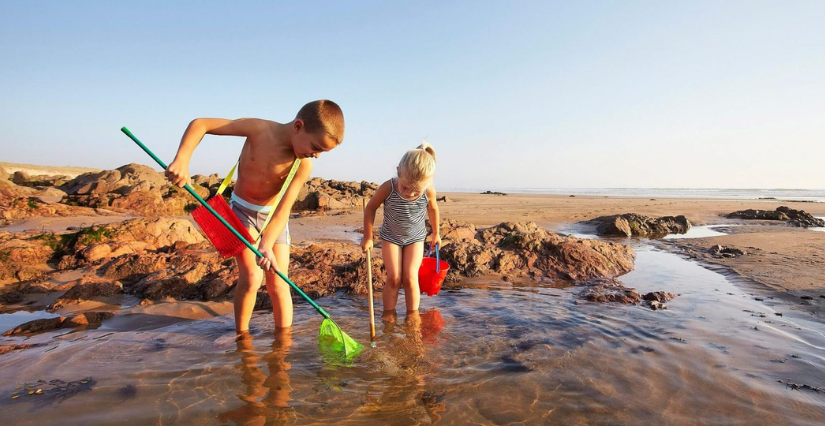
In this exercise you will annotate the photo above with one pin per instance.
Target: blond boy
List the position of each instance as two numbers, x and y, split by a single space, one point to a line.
266 159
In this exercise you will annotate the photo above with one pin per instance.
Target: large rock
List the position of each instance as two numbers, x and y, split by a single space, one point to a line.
525 250
792 217
635 225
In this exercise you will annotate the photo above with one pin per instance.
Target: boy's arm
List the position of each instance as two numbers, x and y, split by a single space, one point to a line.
281 215
434 215
380 195
178 171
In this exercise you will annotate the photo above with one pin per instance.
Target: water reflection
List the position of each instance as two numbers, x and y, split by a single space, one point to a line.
266 397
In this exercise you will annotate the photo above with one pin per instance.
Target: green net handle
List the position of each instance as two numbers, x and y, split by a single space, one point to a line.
228 226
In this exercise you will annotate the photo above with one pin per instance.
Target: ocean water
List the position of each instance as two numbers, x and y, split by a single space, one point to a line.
813 195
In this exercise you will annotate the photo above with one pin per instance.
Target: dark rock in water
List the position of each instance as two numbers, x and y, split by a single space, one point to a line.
793 217
492 193
127 392
659 296
656 305
611 291
634 225
722 251
512 365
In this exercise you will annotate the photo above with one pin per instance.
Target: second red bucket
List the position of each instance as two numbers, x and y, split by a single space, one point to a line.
431 274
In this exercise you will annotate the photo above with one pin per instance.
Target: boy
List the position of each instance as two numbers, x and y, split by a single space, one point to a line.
267 156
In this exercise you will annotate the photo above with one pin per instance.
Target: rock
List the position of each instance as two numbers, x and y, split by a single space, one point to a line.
492 193
525 250
658 296
655 305
793 217
20 178
610 291
631 224
722 251
444 199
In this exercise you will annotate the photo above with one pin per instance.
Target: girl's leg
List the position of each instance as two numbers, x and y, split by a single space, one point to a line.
411 261
392 263
249 281
278 289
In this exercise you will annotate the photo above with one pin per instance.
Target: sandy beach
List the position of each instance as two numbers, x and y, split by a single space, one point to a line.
782 257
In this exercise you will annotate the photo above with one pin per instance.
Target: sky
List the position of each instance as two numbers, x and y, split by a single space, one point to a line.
511 94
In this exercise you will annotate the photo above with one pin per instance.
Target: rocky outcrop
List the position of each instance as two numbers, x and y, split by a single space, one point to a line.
132 188
19 202
792 217
635 225
141 190
525 250
320 194
27 257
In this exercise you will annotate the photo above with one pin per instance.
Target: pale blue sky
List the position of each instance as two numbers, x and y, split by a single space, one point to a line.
511 94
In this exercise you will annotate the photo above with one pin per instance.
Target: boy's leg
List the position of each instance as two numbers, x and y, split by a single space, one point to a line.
249 281
392 263
278 289
411 261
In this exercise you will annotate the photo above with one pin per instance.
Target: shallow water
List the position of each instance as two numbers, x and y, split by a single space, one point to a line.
489 352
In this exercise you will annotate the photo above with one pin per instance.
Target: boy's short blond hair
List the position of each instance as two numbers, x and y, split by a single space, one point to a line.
418 164
323 116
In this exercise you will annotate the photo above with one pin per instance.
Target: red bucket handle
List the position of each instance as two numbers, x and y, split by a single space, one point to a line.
437 257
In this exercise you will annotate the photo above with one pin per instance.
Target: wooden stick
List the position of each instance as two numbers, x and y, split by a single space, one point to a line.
369 288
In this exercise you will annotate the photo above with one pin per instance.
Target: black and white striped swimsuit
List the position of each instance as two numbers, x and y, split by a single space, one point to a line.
404 219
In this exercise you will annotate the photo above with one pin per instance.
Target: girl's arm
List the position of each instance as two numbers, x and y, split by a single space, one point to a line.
380 195
178 170
435 220
281 216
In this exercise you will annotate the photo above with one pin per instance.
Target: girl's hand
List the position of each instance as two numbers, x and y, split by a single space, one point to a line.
366 244
435 240
267 262
178 173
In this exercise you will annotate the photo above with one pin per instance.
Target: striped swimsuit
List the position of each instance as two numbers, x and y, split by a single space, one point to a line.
404 219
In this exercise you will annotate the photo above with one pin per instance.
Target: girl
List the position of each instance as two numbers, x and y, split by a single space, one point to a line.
406 199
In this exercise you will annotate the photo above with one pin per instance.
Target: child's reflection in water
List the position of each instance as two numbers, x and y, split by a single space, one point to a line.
266 397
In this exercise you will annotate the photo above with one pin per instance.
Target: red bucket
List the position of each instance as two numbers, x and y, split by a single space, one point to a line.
431 274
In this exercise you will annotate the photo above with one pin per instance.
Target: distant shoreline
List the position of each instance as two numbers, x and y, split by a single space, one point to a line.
34 169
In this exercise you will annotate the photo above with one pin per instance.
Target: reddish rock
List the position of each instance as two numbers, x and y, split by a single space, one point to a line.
524 249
